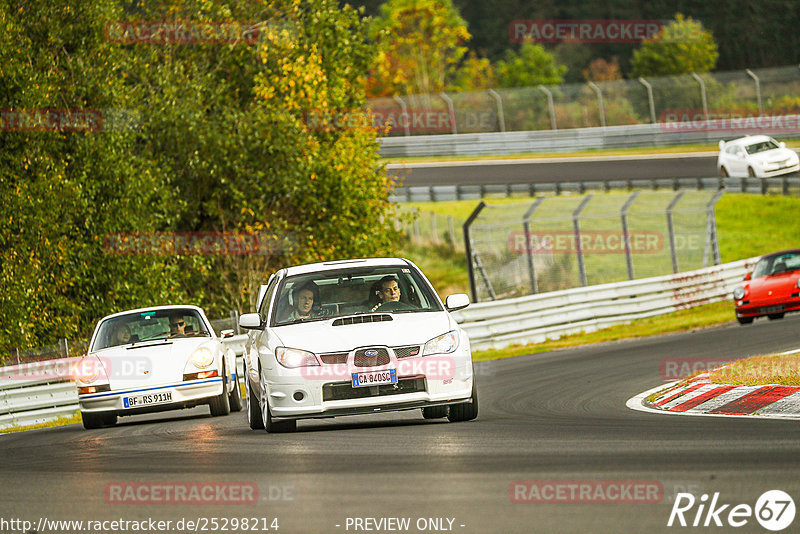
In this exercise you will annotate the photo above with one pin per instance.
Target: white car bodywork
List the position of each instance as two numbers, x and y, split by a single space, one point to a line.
420 343
161 371
756 155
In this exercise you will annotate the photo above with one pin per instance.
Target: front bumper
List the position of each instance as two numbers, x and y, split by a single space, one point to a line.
183 395
761 308
780 171
294 394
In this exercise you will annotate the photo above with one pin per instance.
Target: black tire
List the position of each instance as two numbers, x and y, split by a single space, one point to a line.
434 412
220 405
744 320
271 426
110 419
254 418
466 411
236 396
775 316
724 172
750 172
92 420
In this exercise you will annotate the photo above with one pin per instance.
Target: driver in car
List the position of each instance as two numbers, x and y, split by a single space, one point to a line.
177 325
388 291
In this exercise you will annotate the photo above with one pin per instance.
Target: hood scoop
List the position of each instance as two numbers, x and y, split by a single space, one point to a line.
359 319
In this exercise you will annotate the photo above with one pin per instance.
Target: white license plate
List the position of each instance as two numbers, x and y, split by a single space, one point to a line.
374 378
146 400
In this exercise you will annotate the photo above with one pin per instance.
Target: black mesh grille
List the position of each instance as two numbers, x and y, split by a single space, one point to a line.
358 319
405 352
345 390
380 358
339 357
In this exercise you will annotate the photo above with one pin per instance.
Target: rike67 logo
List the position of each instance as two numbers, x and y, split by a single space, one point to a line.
774 510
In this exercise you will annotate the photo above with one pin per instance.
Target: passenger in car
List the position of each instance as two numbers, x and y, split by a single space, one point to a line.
122 335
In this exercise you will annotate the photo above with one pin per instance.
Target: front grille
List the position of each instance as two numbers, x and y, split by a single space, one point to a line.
405 352
337 357
358 319
362 360
346 391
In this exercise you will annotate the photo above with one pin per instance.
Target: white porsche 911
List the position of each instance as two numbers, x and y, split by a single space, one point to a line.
155 359
355 337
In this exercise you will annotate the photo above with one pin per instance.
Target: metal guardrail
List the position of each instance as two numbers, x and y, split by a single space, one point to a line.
571 140
26 399
535 318
782 185
39 392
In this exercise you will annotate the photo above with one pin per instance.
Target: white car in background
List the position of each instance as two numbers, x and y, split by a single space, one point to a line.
155 359
358 352
756 156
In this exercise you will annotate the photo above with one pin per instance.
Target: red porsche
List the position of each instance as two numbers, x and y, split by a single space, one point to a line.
772 289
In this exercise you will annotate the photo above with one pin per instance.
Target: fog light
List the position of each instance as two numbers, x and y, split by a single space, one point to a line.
298 396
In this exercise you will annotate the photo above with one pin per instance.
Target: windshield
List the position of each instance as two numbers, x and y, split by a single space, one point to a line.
329 294
145 326
789 261
763 146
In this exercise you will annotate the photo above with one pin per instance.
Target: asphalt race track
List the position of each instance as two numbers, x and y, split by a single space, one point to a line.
551 170
556 416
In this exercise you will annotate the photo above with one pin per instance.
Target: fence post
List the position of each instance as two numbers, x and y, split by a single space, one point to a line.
235 321
578 248
434 232
468 248
599 93
526 227
712 240
63 347
451 228
671 230
551 106
501 118
626 234
404 113
758 89
702 93
451 109
649 99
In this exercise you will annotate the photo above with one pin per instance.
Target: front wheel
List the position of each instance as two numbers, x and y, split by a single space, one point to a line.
236 395
434 412
774 316
723 172
220 405
466 411
91 420
744 320
750 172
254 418
271 426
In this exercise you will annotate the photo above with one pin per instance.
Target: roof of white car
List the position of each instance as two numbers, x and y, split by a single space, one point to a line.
749 139
154 308
334 265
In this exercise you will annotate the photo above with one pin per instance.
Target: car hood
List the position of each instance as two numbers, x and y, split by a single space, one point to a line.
773 156
150 362
403 329
773 287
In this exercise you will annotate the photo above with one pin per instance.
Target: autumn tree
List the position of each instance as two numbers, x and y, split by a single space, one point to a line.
531 66
681 47
420 47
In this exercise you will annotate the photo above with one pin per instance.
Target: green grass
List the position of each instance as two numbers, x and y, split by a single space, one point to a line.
760 371
61 421
705 316
580 153
748 226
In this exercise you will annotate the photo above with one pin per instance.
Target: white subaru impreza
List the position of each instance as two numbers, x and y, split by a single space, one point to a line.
355 337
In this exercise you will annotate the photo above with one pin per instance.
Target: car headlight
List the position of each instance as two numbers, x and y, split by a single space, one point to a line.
202 358
443 344
798 283
738 293
87 370
293 358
